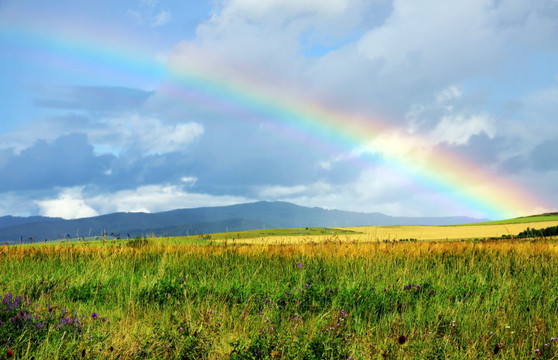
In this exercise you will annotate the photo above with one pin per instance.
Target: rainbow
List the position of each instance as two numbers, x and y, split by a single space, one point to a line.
454 181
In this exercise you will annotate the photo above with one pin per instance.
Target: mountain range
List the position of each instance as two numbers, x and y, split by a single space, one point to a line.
203 220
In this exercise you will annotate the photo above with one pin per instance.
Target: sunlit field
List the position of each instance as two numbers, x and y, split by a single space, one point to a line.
212 298
389 233
446 232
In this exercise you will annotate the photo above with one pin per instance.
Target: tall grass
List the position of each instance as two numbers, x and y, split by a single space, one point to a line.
156 300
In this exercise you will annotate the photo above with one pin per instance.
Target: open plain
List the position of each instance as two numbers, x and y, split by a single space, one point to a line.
341 298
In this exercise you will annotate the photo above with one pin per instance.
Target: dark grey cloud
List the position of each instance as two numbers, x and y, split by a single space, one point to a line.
256 156
226 160
513 164
544 156
99 99
67 161
129 171
481 149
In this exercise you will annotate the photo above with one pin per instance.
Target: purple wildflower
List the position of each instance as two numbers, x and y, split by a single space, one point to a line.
94 316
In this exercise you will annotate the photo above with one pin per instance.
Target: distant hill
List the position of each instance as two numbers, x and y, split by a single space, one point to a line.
7 221
205 220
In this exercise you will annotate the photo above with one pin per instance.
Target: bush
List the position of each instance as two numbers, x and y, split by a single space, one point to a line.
532 233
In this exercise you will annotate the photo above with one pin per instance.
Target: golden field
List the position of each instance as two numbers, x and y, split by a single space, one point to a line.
405 232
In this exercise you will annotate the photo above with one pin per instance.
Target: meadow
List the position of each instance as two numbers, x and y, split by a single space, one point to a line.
339 298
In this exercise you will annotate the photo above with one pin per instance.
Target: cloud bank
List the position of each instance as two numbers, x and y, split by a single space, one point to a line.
476 78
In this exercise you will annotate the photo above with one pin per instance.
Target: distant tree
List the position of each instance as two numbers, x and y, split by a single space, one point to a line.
532 233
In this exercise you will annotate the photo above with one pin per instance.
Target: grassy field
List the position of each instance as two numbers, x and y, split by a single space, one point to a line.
458 232
169 299
524 219
389 233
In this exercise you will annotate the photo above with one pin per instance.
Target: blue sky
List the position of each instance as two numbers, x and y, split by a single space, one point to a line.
101 112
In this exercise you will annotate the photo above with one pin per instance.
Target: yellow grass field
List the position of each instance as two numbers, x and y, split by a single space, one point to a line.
418 232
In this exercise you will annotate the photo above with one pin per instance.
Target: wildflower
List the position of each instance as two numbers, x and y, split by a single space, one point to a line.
307 285
299 265
94 316
553 339
10 353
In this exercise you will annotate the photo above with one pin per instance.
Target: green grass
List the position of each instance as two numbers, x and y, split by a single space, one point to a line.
264 233
520 220
452 300
205 239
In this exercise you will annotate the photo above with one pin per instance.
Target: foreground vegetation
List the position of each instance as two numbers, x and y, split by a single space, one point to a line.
148 299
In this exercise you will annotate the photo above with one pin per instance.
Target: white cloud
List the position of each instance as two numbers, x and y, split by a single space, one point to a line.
450 93
425 38
144 133
274 192
189 180
17 204
72 203
156 198
457 129
163 18
68 205
381 189
449 118
258 9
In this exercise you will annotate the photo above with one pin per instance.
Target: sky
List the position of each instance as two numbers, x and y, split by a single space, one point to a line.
404 107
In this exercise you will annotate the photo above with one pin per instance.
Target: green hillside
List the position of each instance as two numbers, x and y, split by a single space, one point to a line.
521 220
